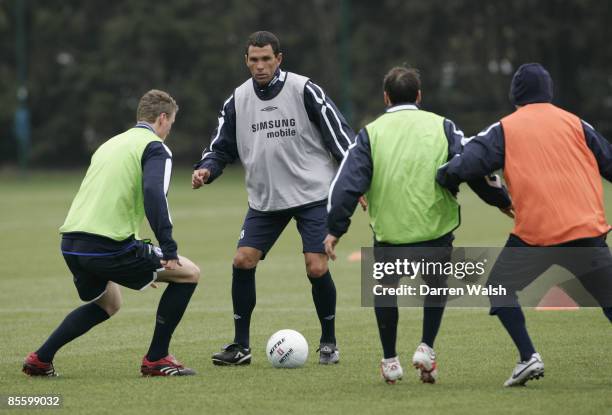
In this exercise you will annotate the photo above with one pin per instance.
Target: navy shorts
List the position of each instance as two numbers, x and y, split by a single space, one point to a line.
133 268
261 229
434 250
515 269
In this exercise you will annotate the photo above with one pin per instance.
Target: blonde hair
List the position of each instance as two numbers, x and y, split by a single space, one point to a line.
153 103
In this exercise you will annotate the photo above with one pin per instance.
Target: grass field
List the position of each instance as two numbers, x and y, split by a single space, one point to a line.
100 371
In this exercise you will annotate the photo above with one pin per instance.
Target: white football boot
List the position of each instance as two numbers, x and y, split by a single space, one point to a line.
424 360
524 371
391 370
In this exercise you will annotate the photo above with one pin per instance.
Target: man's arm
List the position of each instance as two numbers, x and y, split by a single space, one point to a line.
481 156
222 149
601 148
322 112
156 171
351 182
488 187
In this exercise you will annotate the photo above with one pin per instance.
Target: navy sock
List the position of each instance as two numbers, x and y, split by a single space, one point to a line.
608 312
77 323
513 320
244 299
324 297
170 310
386 318
432 318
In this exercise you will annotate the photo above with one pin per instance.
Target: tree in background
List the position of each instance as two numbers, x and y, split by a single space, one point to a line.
88 64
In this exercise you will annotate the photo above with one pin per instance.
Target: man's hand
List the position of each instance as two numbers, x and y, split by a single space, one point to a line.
363 202
170 264
199 178
330 243
509 211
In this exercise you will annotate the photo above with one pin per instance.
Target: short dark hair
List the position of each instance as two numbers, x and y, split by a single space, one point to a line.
402 84
261 39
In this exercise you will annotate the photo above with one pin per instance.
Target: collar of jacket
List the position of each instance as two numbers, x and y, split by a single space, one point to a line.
401 107
273 87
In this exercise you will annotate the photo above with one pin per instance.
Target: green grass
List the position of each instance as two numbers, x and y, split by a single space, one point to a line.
100 371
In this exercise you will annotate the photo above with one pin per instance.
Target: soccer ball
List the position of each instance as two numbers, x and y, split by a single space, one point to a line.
287 348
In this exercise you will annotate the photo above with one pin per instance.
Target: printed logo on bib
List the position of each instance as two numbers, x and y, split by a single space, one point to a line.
270 108
276 128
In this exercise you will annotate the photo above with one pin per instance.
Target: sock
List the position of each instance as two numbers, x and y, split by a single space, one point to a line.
324 297
170 310
513 320
244 299
386 318
432 318
608 312
77 323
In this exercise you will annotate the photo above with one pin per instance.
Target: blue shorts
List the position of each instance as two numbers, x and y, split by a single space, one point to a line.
261 229
135 267
591 264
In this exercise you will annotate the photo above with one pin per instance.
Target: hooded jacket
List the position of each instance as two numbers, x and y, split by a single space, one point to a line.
552 161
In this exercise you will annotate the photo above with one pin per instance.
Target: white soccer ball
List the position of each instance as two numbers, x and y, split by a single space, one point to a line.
287 348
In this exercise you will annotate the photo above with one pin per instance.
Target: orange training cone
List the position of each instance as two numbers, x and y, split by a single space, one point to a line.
354 256
556 299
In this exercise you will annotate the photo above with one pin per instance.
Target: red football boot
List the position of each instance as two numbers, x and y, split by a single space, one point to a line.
166 366
32 366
